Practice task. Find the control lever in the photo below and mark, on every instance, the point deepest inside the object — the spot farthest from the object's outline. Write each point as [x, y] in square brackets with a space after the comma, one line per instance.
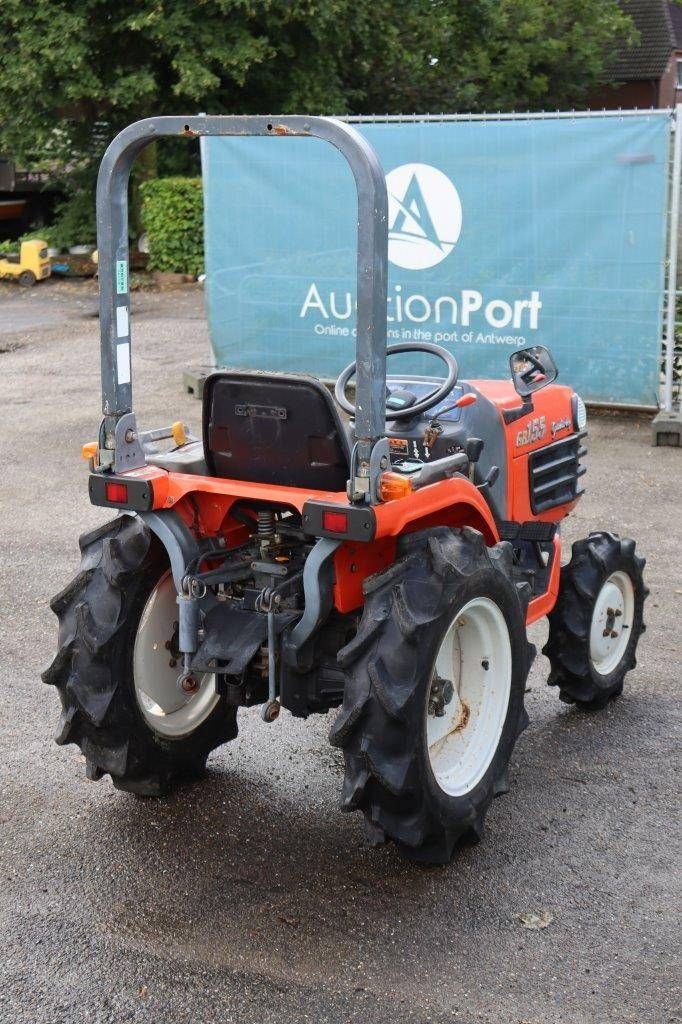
[490, 478]
[146, 438]
[178, 431]
[474, 447]
[441, 469]
[435, 427]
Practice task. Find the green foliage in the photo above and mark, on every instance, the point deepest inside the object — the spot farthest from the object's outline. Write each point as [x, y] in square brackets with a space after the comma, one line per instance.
[7, 246]
[73, 74]
[45, 234]
[478, 55]
[74, 222]
[172, 216]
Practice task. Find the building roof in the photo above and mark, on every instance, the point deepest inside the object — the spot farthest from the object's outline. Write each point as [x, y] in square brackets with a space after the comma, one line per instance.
[648, 58]
[676, 19]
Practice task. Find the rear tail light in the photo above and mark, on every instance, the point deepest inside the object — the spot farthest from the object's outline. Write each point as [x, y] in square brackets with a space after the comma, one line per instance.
[116, 493]
[334, 522]
[119, 492]
[339, 522]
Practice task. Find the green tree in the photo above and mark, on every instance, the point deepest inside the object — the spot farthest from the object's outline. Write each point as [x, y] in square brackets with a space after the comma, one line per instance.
[74, 73]
[494, 55]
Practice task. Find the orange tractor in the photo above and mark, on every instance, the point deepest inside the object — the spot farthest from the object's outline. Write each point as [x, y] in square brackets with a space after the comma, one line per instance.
[383, 555]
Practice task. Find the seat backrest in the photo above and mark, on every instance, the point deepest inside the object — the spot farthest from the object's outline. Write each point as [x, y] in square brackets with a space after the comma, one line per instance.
[274, 429]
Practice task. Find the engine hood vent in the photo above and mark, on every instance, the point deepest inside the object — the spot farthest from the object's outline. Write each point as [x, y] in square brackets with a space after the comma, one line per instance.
[555, 471]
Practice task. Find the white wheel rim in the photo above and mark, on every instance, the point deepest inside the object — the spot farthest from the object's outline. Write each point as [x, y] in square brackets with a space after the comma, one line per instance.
[612, 619]
[165, 707]
[475, 658]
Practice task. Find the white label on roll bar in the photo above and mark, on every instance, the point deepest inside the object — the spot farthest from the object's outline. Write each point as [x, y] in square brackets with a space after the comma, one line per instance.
[123, 362]
[122, 322]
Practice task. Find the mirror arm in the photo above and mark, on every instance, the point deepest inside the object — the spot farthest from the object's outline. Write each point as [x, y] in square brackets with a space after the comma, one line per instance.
[510, 415]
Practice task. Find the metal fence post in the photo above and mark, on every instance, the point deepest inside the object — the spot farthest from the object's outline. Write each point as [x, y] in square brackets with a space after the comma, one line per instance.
[673, 244]
[667, 425]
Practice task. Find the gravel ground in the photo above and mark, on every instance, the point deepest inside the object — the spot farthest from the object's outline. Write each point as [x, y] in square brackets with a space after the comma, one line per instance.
[248, 897]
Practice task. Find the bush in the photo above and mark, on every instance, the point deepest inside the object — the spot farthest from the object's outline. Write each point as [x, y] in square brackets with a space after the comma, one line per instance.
[46, 235]
[74, 223]
[173, 217]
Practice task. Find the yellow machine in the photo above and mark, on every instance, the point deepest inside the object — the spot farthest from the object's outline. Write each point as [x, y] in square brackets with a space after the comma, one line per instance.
[31, 264]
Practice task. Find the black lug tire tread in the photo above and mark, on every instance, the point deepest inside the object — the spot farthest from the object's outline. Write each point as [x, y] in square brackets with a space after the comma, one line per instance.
[98, 615]
[388, 668]
[593, 560]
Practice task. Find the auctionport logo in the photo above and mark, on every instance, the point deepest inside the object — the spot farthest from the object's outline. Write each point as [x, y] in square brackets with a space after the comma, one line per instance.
[424, 225]
[424, 216]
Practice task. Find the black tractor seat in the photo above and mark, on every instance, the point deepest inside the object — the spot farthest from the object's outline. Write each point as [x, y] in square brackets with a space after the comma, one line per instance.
[282, 429]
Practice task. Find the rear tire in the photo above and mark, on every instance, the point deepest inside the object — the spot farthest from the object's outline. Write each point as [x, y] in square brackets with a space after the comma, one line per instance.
[408, 790]
[99, 614]
[596, 622]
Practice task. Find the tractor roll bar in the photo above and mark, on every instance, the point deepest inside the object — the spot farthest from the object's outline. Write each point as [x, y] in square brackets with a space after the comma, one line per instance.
[119, 448]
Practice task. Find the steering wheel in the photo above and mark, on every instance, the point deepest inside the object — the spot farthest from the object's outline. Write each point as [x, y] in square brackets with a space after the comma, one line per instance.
[433, 398]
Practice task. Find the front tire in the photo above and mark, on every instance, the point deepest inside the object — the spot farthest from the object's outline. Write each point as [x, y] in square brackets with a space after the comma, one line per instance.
[433, 700]
[124, 575]
[596, 623]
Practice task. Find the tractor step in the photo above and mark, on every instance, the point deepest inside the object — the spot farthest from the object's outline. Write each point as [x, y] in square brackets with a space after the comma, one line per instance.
[530, 530]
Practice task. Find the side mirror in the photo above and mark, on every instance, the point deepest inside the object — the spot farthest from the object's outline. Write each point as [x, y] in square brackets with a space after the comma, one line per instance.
[532, 369]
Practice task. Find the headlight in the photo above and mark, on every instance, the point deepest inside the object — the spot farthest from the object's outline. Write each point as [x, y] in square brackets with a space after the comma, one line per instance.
[579, 413]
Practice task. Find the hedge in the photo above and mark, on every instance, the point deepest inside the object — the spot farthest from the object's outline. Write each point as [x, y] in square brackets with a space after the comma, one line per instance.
[173, 217]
